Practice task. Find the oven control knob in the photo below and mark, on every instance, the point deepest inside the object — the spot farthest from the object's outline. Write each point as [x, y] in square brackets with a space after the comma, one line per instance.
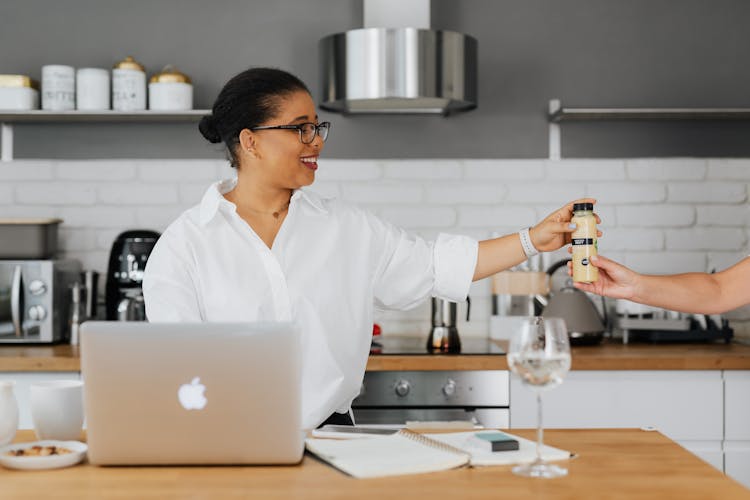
[37, 313]
[402, 388]
[449, 389]
[37, 287]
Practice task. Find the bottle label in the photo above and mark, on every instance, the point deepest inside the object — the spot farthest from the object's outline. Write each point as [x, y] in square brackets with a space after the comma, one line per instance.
[583, 241]
[584, 244]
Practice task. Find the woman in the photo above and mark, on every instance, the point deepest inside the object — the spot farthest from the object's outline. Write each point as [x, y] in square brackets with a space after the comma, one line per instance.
[700, 293]
[262, 248]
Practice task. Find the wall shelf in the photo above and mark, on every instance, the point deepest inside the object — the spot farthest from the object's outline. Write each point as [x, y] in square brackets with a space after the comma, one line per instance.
[558, 113]
[9, 118]
[38, 116]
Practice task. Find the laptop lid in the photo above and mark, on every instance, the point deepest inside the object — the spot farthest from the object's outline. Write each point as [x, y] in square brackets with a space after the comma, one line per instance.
[192, 393]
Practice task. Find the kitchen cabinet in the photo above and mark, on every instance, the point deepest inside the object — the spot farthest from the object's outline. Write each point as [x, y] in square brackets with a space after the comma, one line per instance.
[737, 425]
[8, 118]
[689, 406]
[23, 381]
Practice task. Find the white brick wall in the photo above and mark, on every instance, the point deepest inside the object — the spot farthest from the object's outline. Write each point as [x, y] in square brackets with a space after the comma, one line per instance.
[659, 215]
[707, 192]
[671, 169]
[655, 215]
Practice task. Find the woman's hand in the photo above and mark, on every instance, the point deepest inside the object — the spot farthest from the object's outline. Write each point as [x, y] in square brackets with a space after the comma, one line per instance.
[554, 231]
[615, 280]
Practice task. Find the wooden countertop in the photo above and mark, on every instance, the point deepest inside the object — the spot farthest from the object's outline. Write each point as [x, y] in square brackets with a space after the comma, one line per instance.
[607, 356]
[613, 464]
[53, 358]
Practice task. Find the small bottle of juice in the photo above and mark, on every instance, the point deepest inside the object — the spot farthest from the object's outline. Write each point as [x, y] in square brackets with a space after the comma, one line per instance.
[584, 242]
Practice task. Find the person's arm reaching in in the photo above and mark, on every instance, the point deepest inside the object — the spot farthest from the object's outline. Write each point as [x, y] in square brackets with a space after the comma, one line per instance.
[690, 292]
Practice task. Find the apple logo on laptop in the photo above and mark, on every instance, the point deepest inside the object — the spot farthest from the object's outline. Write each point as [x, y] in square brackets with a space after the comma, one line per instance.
[191, 395]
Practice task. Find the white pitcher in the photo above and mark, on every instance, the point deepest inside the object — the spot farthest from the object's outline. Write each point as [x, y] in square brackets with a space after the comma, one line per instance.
[8, 412]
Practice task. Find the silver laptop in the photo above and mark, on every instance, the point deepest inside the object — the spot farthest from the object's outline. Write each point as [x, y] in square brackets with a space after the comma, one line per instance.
[192, 393]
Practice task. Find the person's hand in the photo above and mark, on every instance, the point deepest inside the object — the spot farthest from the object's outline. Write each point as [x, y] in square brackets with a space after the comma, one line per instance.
[615, 280]
[554, 231]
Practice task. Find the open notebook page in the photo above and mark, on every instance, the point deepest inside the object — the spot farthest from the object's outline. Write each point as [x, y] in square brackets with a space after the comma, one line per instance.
[394, 455]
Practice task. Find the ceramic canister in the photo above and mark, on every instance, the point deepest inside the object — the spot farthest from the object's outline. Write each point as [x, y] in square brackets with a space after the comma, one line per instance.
[18, 92]
[92, 89]
[8, 412]
[170, 90]
[58, 87]
[128, 86]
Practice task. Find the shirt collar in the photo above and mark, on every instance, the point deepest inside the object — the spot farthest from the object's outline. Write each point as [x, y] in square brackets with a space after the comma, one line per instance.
[312, 198]
[214, 198]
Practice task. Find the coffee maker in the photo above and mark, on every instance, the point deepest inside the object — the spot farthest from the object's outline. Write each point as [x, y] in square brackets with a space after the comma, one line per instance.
[127, 261]
[444, 333]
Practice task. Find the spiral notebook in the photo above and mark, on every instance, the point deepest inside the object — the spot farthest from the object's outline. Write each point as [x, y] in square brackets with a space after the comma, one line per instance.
[407, 452]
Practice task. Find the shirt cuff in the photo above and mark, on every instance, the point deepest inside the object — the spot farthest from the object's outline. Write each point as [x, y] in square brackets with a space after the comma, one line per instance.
[455, 260]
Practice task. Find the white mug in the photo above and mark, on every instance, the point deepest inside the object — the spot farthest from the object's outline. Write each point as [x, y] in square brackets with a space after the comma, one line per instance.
[8, 412]
[57, 409]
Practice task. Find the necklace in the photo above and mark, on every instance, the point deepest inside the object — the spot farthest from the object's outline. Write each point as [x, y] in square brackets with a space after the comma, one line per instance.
[275, 213]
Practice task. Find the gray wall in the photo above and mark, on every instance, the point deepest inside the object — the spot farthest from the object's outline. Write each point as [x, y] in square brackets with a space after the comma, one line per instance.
[585, 52]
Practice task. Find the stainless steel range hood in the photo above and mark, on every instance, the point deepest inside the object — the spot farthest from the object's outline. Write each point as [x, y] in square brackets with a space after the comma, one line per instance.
[398, 69]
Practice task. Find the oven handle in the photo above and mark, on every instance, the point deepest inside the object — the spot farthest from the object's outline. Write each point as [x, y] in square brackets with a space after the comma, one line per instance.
[16, 301]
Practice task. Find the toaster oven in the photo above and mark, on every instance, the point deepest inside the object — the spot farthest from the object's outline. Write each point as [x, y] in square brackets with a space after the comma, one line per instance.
[35, 300]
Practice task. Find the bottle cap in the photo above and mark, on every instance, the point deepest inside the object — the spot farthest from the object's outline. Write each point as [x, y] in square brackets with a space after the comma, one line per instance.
[582, 206]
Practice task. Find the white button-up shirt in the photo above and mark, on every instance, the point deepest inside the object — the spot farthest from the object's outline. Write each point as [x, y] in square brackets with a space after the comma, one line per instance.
[330, 266]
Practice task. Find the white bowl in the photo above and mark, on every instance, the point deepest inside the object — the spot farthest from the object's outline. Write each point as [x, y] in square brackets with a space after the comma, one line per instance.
[77, 448]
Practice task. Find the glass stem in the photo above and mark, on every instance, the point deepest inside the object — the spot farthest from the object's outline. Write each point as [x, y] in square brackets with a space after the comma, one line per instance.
[539, 431]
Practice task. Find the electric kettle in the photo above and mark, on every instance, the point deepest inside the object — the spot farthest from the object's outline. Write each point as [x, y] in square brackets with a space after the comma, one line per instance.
[585, 325]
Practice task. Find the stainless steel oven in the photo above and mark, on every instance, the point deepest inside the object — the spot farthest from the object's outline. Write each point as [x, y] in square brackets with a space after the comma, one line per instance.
[35, 299]
[395, 397]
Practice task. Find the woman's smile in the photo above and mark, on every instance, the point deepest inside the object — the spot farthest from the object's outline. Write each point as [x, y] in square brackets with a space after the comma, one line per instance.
[310, 162]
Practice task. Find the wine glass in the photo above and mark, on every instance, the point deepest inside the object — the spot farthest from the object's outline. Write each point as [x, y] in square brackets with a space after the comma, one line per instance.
[539, 353]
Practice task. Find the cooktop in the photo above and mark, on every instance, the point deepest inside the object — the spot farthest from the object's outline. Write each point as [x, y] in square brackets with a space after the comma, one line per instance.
[418, 346]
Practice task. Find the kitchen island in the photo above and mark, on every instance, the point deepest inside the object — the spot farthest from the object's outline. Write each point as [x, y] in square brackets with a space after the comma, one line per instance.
[694, 393]
[614, 464]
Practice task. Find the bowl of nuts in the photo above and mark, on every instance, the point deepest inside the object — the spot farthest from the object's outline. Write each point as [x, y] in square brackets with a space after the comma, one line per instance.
[42, 454]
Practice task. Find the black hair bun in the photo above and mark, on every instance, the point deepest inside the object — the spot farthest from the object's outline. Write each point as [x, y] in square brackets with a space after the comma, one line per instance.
[207, 126]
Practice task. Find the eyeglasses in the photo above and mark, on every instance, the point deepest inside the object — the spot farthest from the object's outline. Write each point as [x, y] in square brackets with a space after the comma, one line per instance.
[307, 131]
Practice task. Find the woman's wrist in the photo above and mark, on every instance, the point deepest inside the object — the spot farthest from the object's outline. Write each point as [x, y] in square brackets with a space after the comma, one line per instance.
[528, 246]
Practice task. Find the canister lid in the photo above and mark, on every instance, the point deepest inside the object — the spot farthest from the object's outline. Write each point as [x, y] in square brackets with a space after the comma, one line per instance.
[18, 81]
[582, 206]
[169, 74]
[129, 63]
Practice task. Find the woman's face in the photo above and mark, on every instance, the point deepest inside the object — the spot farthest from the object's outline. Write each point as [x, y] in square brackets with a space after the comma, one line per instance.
[287, 162]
